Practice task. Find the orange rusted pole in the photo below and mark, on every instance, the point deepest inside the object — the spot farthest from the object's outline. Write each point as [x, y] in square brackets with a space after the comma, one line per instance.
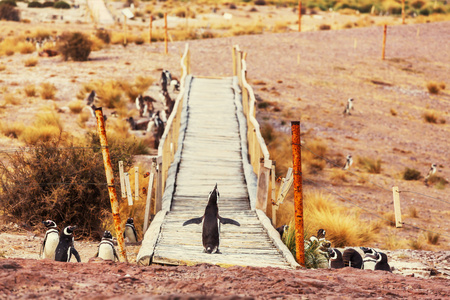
[150, 30]
[298, 192]
[403, 11]
[111, 186]
[299, 15]
[384, 42]
[166, 50]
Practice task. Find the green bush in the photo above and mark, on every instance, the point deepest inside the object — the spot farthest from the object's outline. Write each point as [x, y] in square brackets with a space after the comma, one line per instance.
[48, 4]
[8, 2]
[75, 45]
[62, 5]
[411, 174]
[9, 12]
[104, 35]
[64, 184]
[35, 4]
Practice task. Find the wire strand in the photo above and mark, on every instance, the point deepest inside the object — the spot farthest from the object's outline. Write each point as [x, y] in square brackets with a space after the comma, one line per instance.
[425, 195]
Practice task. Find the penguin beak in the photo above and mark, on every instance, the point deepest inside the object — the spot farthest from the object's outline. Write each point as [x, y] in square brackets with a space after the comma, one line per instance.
[73, 227]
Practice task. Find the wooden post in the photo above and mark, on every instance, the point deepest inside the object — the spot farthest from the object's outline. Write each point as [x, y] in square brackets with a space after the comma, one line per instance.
[233, 55]
[159, 183]
[273, 196]
[262, 189]
[136, 184]
[403, 11]
[397, 210]
[299, 15]
[166, 48]
[124, 30]
[111, 186]
[149, 197]
[150, 30]
[127, 185]
[384, 42]
[122, 180]
[298, 192]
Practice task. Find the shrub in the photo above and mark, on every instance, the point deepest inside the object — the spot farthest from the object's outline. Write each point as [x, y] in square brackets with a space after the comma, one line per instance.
[76, 106]
[418, 4]
[370, 165]
[48, 4]
[2, 67]
[9, 13]
[75, 45]
[412, 211]
[433, 88]
[433, 237]
[12, 130]
[139, 41]
[260, 2]
[324, 27]
[442, 85]
[26, 48]
[411, 174]
[62, 5]
[35, 4]
[8, 2]
[31, 62]
[431, 116]
[30, 90]
[48, 90]
[11, 99]
[67, 185]
[104, 35]
[46, 127]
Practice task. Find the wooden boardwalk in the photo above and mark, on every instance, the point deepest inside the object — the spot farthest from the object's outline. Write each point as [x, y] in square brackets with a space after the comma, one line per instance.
[211, 153]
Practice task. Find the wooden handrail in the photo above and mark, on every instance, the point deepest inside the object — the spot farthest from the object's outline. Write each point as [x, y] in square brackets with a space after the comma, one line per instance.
[257, 148]
[169, 141]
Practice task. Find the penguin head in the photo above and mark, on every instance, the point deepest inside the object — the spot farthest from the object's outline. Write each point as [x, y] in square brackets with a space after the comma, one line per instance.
[334, 254]
[49, 224]
[321, 234]
[350, 99]
[130, 221]
[369, 251]
[213, 195]
[69, 230]
[107, 235]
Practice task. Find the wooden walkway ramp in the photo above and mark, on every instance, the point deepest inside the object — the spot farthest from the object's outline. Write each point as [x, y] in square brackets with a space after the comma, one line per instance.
[211, 153]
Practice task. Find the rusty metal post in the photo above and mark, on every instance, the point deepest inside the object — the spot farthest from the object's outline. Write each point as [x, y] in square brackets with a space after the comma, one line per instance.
[111, 186]
[298, 192]
[166, 37]
[383, 49]
[299, 15]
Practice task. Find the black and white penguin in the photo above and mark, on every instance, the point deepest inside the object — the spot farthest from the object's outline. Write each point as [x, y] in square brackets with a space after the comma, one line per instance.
[382, 262]
[352, 258]
[320, 236]
[335, 261]
[91, 98]
[65, 247]
[348, 162]
[156, 122]
[166, 79]
[431, 172]
[349, 106]
[51, 240]
[130, 231]
[211, 223]
[106, 248]
[282, 229]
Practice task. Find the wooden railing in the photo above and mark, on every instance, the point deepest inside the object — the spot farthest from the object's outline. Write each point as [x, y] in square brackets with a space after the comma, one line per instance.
[169, 141]
[258, 153]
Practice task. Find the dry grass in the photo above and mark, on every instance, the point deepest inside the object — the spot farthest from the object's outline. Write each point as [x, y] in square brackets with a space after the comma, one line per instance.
[432, 237]
[370, 165]
[338, 176]
[83, 117]
[412, 212]
[76, 106]
[433, 87]
[393, 112]
[393, 242]
[431, 116]
[46, 127]
[12, 99]
[31, 62]
[26, 47]
[2, 67]
[281, 26]
[30, 90]
[312, 153]
[110, 93]
[417, 243]
[12, 130]
[48, 90]
[389, 218]
[236, 30]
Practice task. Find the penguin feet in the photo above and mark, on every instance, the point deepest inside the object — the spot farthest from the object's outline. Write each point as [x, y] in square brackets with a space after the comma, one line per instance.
[217, 251]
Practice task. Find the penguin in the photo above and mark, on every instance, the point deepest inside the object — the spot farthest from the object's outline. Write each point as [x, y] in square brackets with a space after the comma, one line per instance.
[211, 223]
[335, 261]
[90, 99]
[382, 262]
[106, 248]
[320, 236]
[348, 162]
[352, 258]
[282, 229]
[130, 231]
[65, 247]
[166, 79]
[156, 122]
[431, 172]
[51, 240]
[349, 106]
[369, 261]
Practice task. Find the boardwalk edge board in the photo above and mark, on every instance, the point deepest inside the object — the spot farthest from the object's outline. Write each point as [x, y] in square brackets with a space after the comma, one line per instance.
[275, 237]
[144, 257]
[250, 176]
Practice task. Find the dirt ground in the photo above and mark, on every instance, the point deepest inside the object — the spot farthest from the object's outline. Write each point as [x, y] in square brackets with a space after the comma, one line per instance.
[306, 77]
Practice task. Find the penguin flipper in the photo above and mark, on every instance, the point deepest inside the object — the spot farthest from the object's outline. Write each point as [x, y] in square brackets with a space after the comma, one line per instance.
[42, 247]
[115, 255]
[228, 221]
[75, 253]
[193, 221]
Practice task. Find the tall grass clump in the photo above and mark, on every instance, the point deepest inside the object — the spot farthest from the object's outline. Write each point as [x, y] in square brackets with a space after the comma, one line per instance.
[12, 99]
[31, 62]
[30, 90]
[110, 93]
[370, 165]
[76, 106]
[9, 12]
[47, 126]
[12, 130]
[48, 90]
[411, 174]
[432, 237]
[64, 184]
[433, 88]
[431, 116]
[75, 45]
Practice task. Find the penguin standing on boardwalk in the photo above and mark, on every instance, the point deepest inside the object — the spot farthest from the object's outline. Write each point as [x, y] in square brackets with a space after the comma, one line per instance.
[349, 106]
[130, 231]
[382, 262]
[65, 247]
[348, 162]
[106, 248]
[336, 261]
[211, 223]
[51, 240]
